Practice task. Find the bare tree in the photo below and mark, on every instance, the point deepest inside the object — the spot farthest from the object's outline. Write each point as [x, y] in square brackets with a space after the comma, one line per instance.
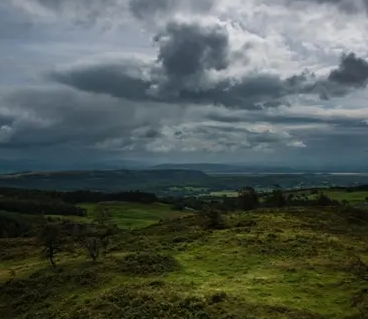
[50, 240]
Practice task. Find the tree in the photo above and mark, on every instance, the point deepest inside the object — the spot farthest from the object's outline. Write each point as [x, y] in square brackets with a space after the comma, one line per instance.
[248, 198]
[102, 216]
[105, 228]
[213, 217]
[277, 197]
[93, 247]
[50, 239]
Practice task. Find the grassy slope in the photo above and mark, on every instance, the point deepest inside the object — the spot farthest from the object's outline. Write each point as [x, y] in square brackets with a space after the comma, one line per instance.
[267, 264]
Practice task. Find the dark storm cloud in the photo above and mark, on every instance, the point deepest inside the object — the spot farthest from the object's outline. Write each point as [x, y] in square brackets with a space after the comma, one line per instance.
[352, 71]
[351, 74]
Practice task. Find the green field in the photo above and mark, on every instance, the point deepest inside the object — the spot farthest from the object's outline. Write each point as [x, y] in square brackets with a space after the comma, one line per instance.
[129, 215]
[227, 193]
[296, 263]
[340, 195]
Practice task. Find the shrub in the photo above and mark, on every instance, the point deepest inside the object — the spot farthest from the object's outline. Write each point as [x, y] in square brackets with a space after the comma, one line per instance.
[213, 218]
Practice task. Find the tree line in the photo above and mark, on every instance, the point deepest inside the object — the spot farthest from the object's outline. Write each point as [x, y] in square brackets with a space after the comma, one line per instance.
[80, 196]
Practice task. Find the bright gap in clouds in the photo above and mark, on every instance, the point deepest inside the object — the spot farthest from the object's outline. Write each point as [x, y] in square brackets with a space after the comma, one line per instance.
[196, 80]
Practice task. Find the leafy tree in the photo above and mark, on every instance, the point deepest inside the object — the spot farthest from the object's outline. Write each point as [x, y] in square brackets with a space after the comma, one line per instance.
[323, 200]
[213, 217]
[102, 216]
[105, 228]
[277, 198]
[248, 198]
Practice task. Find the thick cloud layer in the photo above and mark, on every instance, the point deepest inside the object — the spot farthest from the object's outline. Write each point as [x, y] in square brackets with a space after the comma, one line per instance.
[194, 64]
[234, 78]
[182, 76]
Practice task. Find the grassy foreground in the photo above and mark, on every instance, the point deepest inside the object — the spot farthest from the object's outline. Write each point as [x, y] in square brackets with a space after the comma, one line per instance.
[281, 263]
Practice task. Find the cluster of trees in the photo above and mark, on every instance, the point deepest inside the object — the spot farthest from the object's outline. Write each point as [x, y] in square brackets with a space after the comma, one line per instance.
[248, 198]
[16, 225]
[26, 201]
[76, 197]
[39, 206]
[93, 238]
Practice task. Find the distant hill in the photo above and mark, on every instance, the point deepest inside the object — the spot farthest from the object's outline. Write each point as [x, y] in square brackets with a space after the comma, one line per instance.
[102, 180]
[179, 181]
[233, 168]
[204, 167]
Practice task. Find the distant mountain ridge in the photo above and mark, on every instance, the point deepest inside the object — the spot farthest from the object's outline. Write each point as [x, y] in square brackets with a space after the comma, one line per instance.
[259, 168]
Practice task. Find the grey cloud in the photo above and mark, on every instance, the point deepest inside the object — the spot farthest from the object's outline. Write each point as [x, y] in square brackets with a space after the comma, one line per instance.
[67, 117]
[148, 9]
[186, 53]
[219, 138]
[189, 49]
[147, 132]
[351, 74]
[81, 13]
[122, 80]
[88, 13]
[347, 6]
[252, 92]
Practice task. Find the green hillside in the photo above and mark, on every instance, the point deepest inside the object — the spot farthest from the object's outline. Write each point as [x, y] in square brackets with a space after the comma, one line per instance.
[268, 263]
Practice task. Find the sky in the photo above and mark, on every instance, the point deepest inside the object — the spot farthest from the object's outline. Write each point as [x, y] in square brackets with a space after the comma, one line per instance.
[247, 81]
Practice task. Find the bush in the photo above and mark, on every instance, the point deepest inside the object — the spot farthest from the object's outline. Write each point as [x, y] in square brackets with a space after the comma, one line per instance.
[213, 218]
[354, 214]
